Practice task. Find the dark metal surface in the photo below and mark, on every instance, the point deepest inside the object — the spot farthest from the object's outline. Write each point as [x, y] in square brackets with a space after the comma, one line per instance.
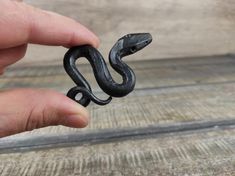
[127, 45]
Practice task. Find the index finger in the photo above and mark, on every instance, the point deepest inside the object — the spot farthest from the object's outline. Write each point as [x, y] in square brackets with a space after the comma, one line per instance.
[21, 23]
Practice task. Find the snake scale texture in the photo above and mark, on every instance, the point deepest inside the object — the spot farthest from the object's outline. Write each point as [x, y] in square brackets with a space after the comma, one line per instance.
[127, 45]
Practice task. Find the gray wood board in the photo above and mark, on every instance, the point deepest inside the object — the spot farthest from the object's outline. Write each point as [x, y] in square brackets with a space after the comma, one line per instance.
[202, 153]
[150, 73]
[30, 143]
[175, 91]
[179, 28]
[179, 121]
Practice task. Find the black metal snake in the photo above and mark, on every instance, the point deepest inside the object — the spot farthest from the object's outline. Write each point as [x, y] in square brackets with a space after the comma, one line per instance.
[127, 45]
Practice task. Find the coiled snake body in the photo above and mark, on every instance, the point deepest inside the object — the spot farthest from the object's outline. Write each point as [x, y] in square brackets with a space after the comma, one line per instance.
[129, 44]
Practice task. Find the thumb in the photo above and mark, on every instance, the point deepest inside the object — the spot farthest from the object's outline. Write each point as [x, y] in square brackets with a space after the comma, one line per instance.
[27, 109]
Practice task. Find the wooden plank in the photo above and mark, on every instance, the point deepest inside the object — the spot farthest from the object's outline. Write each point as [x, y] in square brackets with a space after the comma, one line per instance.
[31, 143]
[179, 28]
[150, 74]
[176, 127]
[202, 153]
[157, 106]
[183, 90]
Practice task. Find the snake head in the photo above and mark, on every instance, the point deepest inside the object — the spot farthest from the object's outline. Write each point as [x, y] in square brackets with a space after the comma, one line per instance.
[131, 43]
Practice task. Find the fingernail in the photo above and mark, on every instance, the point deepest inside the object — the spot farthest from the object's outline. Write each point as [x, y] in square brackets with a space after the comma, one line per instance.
[97, 43]
[94, 39]
[77, 121]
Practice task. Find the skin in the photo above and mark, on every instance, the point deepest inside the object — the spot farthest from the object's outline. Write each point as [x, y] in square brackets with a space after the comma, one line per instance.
[27, 109]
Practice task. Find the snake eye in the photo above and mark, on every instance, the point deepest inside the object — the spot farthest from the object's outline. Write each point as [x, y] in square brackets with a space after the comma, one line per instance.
[133, 49]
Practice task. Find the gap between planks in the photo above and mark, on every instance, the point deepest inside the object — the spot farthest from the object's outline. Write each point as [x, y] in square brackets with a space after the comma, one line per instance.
[109, 135]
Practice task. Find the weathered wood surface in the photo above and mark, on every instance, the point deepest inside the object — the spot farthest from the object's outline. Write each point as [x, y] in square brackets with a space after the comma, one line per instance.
[201, 153]
[179, 27]
[179, 121]
[167, 91]
[150, 73]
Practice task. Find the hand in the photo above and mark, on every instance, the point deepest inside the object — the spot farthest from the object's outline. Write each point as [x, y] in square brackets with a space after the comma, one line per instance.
[28, 109]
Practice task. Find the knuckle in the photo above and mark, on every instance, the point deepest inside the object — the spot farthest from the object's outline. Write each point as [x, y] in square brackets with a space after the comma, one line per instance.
[39, 118]
[32, 121]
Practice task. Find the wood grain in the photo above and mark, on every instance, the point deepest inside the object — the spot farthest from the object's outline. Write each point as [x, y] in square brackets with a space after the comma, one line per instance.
[204, 153]
[41, 142]
[149, 73]
[179, 121]
[179, 27]
[168, 91]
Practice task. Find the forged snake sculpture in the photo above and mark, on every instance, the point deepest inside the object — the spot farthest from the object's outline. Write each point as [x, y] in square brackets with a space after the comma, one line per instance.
[127, 45]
